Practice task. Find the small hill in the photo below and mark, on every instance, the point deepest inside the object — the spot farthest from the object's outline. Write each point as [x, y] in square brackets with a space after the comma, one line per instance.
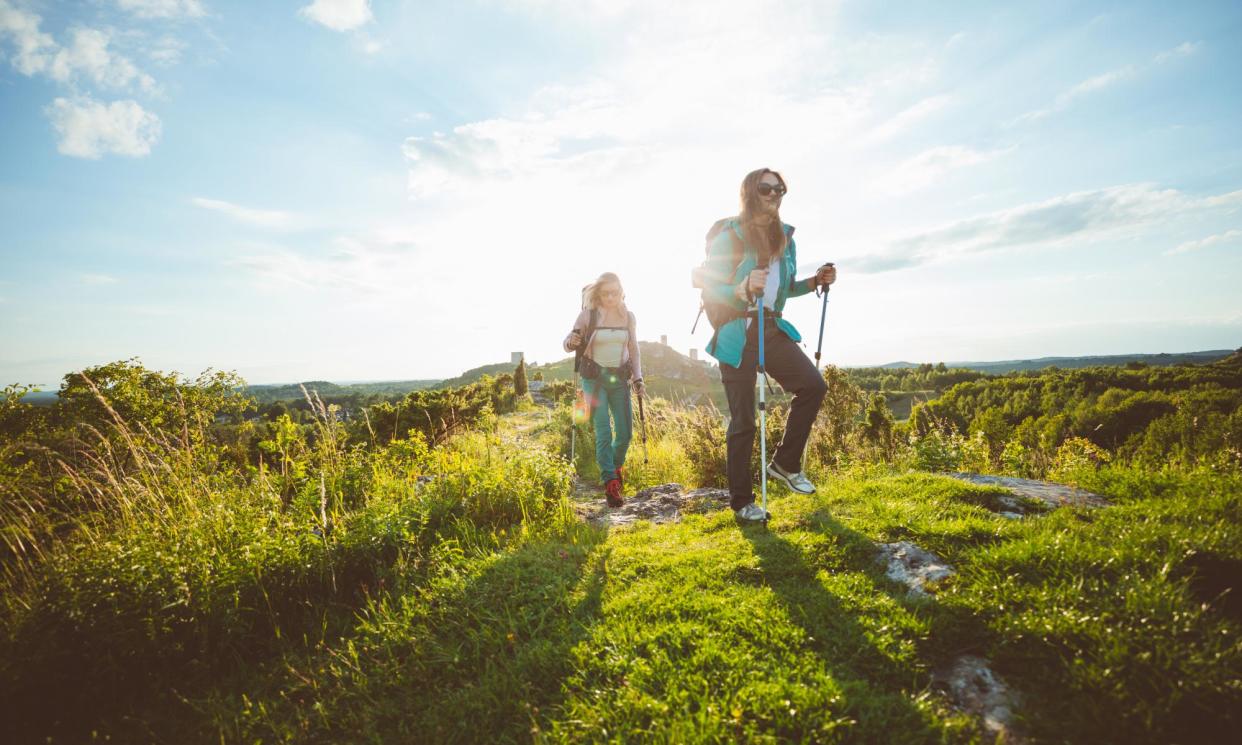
[1233, 360]
[475, 373]
[668, 373]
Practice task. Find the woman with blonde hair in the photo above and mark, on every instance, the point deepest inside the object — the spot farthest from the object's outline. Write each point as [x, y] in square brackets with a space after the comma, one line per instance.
[606, 343]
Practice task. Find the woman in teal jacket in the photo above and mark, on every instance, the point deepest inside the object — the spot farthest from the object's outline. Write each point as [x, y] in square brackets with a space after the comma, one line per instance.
[766, 276]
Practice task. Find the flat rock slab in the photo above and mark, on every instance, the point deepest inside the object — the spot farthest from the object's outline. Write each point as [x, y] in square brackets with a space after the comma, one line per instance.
[1050, 494]
[912, 566]
[971, 685]
[665, 503]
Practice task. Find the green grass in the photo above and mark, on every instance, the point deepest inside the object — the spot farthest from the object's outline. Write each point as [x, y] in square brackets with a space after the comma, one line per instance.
[705, 631]
[474, 609]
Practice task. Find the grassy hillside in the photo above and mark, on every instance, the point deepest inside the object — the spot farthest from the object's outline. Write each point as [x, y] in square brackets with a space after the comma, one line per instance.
[668, 374]
[475, 374]
[359, 581]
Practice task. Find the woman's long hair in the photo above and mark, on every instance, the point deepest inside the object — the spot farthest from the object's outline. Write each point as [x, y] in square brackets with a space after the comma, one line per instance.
[768, 240]
[590, 293]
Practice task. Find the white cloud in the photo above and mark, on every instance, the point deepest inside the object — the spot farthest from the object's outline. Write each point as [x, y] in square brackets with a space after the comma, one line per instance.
[1184, 49]
[372, 265]
[339, 15]
[1084, 88]
[1232, 200]
[1080, 216]
[97, 279]
[925, 168]
[669, 93]
[88, 56]
[1229, 237]
[86, 128]
[167, 51]
[163, 8]
[34, 48]
[907, 118]
[1105, 80]
[275, 219]
[90, 129]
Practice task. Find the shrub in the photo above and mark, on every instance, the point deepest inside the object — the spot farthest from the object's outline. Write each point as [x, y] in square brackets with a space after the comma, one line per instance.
[1074, 456]
[935, 451]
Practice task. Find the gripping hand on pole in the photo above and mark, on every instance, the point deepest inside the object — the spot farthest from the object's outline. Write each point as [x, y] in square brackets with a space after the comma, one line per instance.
[824, 277]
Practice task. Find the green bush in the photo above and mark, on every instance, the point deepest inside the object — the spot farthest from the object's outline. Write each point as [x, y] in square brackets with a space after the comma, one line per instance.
[1074, 457]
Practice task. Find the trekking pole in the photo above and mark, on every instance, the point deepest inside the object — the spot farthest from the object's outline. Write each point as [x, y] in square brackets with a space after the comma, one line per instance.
[763, 413]
[573, 426]
[822, 313]
[642, 419]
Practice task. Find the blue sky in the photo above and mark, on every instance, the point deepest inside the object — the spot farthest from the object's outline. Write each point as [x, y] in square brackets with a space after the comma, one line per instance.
[353, 190]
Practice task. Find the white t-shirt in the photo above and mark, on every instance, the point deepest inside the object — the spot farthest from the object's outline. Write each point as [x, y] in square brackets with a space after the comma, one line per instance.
[609, 346]
[771, 288]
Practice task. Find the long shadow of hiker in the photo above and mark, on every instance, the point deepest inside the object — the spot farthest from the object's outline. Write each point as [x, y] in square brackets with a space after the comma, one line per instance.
[476, 654]
[500, 660]
[877, 683]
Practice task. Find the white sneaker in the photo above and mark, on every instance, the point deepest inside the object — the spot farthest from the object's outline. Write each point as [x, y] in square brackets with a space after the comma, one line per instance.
[751, 512]
[796, 481]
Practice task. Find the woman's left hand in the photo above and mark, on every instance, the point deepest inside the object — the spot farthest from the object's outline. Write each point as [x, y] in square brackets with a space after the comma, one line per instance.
[640, 388]
[826, 275]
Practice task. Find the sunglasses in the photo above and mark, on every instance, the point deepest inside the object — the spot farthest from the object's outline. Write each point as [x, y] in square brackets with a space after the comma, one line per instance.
[767, 189]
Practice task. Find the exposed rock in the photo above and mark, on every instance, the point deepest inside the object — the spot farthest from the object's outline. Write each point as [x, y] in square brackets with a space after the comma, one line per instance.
[659, 504]
[1026, 491]
[972, 686]
[912, 566]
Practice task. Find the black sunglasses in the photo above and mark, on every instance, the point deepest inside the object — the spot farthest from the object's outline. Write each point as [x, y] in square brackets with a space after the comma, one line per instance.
[766, 189]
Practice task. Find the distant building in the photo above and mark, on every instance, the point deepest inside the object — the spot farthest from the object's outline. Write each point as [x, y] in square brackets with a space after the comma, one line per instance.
[694, 354]
[516, 357]
[664, 339]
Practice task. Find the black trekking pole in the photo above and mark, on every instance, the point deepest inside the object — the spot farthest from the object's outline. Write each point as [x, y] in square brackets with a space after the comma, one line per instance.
[822, 313]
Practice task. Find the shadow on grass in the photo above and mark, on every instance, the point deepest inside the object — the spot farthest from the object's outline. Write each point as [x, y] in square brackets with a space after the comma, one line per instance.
[121, 665]
[479, 657]
[880, 689]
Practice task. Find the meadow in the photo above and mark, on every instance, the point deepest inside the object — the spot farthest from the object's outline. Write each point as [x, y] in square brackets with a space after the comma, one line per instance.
[174, 570]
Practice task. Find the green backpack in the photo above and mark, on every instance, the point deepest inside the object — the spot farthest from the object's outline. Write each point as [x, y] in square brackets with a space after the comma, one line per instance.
[718, 314]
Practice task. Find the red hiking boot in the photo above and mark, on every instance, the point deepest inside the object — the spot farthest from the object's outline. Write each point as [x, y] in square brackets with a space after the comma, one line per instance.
[613, 491]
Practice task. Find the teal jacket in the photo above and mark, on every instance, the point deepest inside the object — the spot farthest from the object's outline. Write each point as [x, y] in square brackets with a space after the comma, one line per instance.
[730, 338]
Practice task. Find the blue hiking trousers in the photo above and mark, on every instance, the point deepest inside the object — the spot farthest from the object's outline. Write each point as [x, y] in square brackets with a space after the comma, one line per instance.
[607, 395]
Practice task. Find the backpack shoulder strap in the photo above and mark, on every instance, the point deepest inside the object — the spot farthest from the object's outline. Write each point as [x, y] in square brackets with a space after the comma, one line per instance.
[586, 338]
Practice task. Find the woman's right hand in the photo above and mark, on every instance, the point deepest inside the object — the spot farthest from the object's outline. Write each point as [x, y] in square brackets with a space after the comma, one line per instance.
[575, 340]
[755, 282]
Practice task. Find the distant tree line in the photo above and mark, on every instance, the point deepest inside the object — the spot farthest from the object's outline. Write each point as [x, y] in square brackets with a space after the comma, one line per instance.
[924, 377]
[1186, 415]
